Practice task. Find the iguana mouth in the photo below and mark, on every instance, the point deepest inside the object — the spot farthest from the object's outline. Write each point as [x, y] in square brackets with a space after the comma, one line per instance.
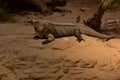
[40, 31]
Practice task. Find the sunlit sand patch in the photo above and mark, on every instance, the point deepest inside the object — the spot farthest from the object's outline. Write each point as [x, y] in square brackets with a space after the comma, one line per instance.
[113, 43]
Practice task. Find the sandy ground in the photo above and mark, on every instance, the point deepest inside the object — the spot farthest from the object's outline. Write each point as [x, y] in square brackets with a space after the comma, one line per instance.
[23, 58]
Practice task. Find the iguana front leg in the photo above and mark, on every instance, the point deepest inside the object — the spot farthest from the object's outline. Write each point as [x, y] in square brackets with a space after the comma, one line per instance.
[36, 37]
[78, 36]
[50, 38]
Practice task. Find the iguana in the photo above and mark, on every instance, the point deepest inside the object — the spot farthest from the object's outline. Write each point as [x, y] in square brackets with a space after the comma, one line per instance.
[52, 30]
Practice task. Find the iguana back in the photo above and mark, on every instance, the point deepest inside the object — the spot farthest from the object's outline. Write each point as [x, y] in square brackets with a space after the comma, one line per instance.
[85, 30]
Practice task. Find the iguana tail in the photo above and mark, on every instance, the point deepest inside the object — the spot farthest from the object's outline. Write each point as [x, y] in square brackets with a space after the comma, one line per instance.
[89, 31]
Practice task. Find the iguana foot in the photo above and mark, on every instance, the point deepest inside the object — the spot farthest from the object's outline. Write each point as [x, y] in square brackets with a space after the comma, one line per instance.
[80, 40]
[44, 43]
[36, 37]
[103, 40]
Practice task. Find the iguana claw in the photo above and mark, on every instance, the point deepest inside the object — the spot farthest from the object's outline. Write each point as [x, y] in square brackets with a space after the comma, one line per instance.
[36, 37]
[44, 42]
[80, 40]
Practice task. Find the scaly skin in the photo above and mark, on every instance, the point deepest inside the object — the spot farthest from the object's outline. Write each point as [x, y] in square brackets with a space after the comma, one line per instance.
[52, 30]
[87, 30]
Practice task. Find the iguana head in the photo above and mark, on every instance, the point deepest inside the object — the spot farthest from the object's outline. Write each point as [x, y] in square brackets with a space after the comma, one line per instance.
[37, 22]
[33, 22]
[39, 31]
[38, 27]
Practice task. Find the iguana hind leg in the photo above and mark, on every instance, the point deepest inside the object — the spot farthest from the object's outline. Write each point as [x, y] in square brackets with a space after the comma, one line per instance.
[78, 36]
[50, 38]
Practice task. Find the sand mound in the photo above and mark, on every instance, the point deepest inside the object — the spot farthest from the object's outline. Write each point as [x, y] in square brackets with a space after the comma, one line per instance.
[23, 58]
